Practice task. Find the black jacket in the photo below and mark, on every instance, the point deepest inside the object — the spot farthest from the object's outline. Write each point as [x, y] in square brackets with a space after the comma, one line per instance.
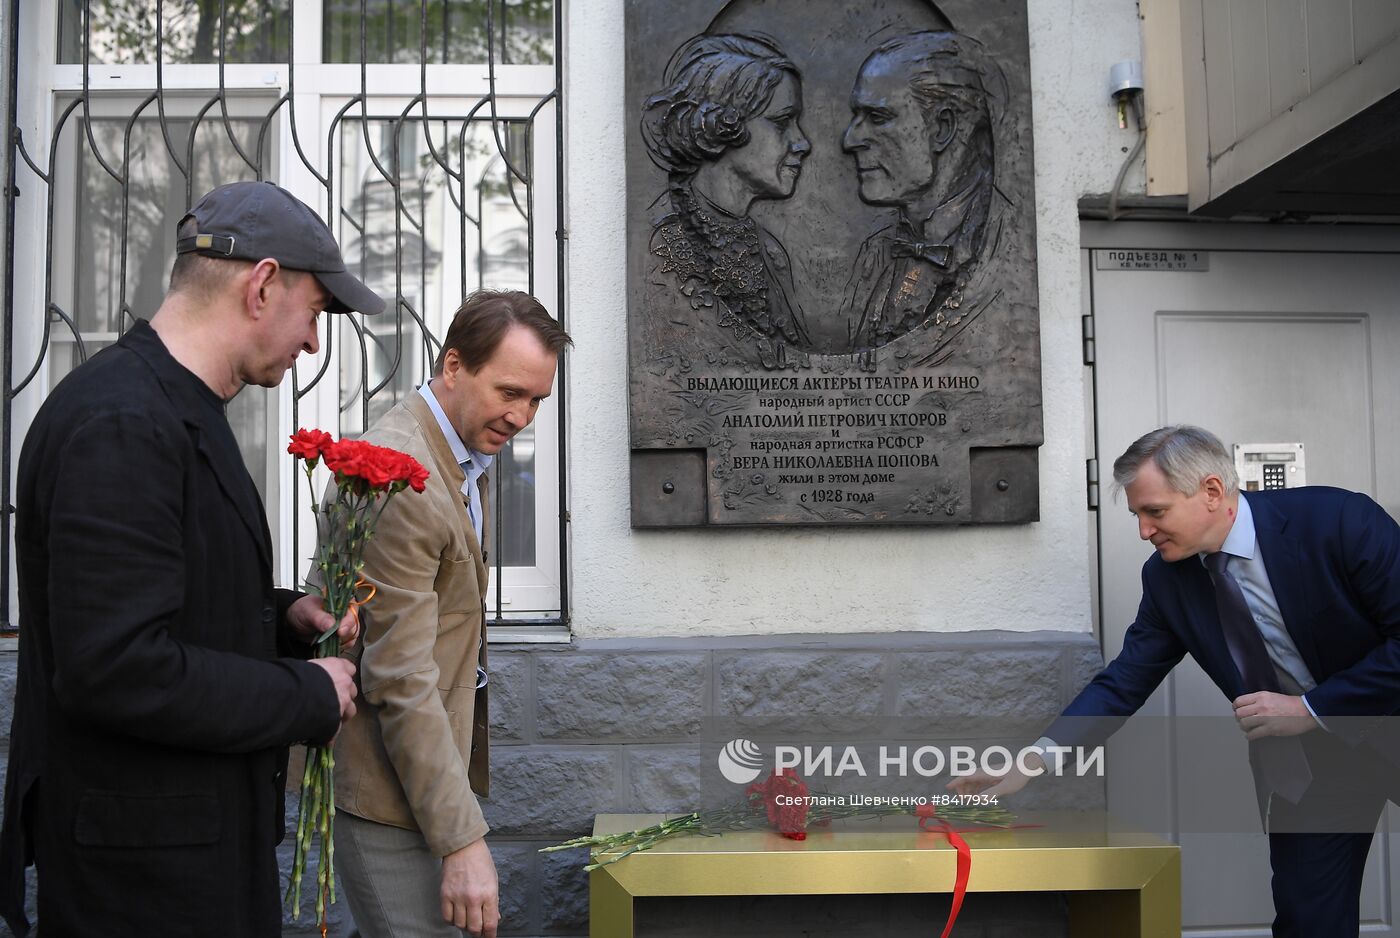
[155, 700]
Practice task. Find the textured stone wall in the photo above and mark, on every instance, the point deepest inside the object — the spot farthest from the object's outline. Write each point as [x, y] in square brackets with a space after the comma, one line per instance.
[623, 725]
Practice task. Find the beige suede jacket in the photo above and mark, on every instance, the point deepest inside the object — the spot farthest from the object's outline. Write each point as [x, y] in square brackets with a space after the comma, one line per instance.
[417, 746]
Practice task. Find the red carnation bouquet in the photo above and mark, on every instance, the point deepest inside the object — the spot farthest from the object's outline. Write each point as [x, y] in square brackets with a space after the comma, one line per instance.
[366, 477]
[784, 803]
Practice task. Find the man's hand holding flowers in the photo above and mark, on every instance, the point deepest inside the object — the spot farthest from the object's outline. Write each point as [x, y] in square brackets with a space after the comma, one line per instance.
[309, 621]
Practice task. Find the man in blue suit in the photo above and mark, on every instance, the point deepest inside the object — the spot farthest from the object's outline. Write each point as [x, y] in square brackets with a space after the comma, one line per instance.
[1290, 602]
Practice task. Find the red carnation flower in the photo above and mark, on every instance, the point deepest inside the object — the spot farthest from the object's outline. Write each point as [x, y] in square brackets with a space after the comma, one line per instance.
[784, 797]
[376, 468]
[344, 458]
[309, 444]
[414, 474]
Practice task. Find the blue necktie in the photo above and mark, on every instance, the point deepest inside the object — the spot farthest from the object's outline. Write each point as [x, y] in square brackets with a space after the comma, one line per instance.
[1281, 759]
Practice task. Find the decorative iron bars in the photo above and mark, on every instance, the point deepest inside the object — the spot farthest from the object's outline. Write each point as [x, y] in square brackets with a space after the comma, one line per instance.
[139, 107]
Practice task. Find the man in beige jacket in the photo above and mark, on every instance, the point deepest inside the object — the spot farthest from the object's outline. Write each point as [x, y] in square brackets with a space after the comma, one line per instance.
[410, 836]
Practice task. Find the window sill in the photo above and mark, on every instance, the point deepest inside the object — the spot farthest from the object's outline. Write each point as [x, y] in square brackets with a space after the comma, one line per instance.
[528, 635]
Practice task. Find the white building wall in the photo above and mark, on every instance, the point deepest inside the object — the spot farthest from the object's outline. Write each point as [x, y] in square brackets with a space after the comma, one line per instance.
[726, 582]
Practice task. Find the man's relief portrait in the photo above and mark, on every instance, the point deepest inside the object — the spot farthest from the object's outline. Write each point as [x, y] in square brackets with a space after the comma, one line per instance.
[921, 137]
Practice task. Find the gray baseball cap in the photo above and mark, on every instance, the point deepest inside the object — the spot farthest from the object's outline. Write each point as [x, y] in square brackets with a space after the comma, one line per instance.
[254, 220]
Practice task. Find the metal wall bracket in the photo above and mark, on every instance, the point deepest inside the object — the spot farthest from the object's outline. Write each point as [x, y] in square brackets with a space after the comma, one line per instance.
[668, 488]
[1005, 484]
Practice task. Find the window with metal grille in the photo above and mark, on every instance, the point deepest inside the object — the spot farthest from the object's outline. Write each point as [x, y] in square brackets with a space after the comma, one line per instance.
[427, 133]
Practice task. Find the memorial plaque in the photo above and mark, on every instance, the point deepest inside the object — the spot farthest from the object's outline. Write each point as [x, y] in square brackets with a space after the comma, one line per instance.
[832, 304]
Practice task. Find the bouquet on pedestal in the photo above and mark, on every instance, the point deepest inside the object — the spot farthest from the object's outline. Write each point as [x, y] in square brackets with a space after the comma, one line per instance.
[784, 803]
[366, 477]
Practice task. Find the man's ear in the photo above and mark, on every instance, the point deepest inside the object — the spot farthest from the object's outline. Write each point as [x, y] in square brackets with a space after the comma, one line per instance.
[944, 128]
[257, 289]
[1214, 488]
[451, 368]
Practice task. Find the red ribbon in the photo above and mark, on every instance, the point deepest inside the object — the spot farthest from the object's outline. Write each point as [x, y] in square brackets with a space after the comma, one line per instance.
[930, 822]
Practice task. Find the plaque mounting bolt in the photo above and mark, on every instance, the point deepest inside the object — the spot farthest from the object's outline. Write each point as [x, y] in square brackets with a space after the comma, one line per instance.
[1003, 485]
[668, 487]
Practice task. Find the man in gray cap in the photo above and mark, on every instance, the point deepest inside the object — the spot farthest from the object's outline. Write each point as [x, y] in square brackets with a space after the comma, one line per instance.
[161, 675]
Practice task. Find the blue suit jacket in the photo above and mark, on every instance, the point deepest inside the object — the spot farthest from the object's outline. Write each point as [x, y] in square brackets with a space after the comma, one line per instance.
[1333, 559]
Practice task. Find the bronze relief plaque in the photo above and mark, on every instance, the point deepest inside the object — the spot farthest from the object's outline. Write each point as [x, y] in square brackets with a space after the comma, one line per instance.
[832, 306]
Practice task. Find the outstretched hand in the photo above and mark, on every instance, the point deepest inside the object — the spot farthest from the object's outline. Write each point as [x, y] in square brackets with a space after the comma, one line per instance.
[992, 786]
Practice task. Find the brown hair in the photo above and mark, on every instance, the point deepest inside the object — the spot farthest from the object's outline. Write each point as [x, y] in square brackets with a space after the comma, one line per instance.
[714, 85]
[483, 320]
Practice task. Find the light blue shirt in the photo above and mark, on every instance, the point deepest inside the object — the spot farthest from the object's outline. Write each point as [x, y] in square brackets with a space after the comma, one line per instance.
[472, 462]
[1246, 565]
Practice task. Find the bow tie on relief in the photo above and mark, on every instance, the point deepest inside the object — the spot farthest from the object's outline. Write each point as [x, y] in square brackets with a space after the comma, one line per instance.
[935, 254]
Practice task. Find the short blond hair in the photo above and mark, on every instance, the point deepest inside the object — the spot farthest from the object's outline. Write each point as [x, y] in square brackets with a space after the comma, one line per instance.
[1186, 455]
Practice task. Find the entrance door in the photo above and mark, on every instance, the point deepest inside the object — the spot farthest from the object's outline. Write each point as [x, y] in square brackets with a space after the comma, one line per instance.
[1287, 335]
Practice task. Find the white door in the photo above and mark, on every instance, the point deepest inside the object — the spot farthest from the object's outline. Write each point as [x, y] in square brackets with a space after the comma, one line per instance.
[1288, 335]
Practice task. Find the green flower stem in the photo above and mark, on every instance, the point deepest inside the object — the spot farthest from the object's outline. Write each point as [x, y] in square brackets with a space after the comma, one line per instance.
[345, 524]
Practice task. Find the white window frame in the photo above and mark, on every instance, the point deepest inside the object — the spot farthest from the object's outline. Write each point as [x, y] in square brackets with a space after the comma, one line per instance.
[320, 91]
